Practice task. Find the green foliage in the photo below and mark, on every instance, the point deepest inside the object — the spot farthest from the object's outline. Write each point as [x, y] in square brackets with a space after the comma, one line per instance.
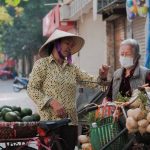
[12, 2]
[8, 10]
[91, 117]
[121, 98]
[143, 98]
[5, 17]
[25, 36]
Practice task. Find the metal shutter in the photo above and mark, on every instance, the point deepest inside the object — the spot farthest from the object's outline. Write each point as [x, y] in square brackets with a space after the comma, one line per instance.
[138, 27]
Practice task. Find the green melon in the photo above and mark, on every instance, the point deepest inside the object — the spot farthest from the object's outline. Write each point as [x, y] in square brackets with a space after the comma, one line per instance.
[26, 112]
[5, 106]
[18, 113]
[27, 119]
[36, 117]
[19, 119]
[16, 108]
[4, 111]
[1, 119]
[10, 116]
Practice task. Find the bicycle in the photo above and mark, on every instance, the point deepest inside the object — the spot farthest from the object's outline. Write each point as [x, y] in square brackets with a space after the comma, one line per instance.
[46, 137]
[134, 141]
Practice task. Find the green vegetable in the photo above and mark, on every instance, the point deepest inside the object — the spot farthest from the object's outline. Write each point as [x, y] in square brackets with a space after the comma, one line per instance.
[121, 98]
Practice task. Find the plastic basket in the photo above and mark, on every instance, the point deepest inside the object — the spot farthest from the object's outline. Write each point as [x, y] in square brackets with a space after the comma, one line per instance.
[11, 130]
[105, 132]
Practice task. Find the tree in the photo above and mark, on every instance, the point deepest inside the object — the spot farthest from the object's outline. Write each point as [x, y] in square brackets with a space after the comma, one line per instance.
[24, 37]
[5, 6]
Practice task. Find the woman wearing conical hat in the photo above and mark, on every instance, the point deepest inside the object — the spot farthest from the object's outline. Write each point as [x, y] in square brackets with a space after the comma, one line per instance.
[54, 79]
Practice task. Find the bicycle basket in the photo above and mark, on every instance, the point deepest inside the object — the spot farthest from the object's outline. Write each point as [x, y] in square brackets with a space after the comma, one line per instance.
[104, 133]
[9, 130]
[106, 129]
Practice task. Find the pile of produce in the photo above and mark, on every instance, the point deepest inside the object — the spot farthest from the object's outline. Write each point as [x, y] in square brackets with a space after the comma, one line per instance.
[138, 119]
[84, 140]
[17, 114]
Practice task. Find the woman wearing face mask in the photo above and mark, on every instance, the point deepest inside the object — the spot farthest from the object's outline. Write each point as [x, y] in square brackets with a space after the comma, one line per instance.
[131, 75]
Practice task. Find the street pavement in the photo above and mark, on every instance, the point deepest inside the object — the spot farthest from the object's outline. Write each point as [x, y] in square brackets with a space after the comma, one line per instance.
[11, 98]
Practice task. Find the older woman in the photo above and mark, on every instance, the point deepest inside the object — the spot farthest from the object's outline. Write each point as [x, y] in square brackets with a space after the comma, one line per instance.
[53, 81]
[131, 74]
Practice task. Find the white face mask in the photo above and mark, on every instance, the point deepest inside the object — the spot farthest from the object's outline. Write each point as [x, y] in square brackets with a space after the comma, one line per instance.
[126, 62]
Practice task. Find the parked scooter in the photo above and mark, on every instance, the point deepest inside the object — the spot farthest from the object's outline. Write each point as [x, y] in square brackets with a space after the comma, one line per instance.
[20, 83]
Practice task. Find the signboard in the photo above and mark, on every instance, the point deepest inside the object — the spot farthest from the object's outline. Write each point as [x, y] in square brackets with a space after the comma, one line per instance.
[51, 22]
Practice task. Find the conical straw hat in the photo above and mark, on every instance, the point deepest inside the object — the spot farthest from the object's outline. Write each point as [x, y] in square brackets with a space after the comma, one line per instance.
[58, 34]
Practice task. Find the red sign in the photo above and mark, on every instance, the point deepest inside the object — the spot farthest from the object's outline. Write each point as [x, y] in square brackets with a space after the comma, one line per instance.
[52, 21]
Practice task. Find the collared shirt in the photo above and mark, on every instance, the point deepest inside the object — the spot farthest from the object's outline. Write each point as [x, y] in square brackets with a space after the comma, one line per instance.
[49, 80]
[125, 88]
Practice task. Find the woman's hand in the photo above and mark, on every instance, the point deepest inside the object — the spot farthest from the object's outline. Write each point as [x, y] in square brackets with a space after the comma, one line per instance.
[58, 109]
[125, 104]
[104, 102]
[117, 113]
[103, 71]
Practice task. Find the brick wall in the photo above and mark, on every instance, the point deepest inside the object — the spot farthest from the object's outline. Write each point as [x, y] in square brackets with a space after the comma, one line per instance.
[116, 32]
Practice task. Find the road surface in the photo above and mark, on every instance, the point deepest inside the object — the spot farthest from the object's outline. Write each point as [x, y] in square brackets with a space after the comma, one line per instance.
[9, 97]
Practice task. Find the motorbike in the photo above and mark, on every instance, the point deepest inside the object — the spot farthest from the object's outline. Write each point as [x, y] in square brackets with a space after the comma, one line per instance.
[20, 83]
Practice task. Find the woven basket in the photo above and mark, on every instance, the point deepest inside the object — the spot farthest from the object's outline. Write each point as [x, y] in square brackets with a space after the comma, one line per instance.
[11, 130]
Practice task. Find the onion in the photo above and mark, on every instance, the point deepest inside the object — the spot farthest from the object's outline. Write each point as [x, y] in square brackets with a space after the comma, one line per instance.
[132, 130]
[130, 112]
[86, 146]
[147, 89]
[142, 130]
[135, 104]
[83, 138]
[131, 123]
[148, 117]
[143, 123]
[138, 114]
[148, 128]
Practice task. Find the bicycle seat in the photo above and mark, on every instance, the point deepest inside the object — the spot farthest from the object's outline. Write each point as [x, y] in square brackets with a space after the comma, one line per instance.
[51, 125]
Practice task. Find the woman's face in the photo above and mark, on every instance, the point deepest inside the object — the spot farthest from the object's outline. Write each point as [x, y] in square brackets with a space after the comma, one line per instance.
[126, 51]
[66, 46]
[126, 56]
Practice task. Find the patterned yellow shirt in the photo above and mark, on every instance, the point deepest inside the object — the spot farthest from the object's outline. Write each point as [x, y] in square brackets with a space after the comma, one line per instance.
[48, 80]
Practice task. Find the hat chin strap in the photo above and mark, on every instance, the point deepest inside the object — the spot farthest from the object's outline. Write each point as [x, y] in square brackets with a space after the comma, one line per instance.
[69, 59]
[58, 48]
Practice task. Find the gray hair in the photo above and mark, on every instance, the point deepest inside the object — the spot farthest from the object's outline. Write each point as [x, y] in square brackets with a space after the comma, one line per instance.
[134, 44]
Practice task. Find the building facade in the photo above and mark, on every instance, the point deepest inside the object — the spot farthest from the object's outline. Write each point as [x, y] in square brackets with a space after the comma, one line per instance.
[93, 54]
[118, 28]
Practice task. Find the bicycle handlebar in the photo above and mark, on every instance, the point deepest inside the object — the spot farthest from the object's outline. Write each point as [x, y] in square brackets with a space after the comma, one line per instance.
[50, 125]
[91, 108]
